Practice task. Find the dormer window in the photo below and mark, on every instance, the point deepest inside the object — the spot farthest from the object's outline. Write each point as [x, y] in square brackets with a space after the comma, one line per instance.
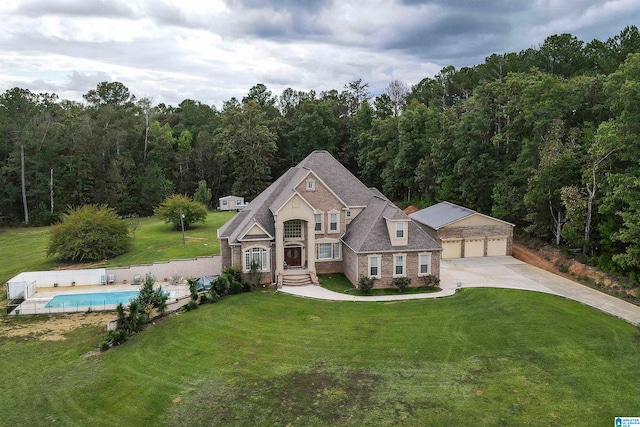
[399, 230]
[311, 185]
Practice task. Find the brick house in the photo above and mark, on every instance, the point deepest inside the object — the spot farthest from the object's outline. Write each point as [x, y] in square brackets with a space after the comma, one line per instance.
[318, 218]
[465, 233]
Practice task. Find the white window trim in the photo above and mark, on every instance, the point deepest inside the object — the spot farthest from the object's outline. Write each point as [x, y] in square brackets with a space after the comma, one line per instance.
[265, 268]
[321, 222]
[334, 244]
[348, 214]
[311, 185]
[421, 254]
[337, 214]
[400, 227]
[379, 257]
[404, 265]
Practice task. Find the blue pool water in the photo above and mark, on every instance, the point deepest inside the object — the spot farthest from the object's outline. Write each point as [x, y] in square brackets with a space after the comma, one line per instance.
[91, 300]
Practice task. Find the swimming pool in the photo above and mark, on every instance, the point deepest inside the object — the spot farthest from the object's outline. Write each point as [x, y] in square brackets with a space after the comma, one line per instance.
[94, 299]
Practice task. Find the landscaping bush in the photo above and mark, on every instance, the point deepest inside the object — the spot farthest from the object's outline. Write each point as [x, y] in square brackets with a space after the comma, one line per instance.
[191, 305]
[192, 288]
[431, 281]
[89, 233]
[401, 283]
[220, 286]
[176, 205]
[150, 298]
[255, 275]
[133, 319]
[365, 284]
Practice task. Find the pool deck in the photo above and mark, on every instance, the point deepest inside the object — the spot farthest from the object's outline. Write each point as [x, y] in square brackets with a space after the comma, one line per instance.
[36, 303]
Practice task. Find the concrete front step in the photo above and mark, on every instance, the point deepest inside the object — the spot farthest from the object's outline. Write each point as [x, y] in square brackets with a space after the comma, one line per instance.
[297, 280]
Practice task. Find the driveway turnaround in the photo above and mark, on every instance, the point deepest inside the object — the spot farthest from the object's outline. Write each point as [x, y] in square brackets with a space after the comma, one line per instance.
[493, 272]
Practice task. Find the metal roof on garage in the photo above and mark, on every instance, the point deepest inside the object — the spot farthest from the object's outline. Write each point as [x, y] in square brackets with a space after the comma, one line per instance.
[439, 215]
[445, 213]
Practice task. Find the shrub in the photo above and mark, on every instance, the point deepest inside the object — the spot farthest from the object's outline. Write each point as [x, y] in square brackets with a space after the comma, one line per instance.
[191, 305]
[150, 298]
[176, 205]
[203, 299]
[255, 275]
[89, 233]
[365, 284]
[192, 288]
[431, 281]
[221, 285]
[401, 283]
[234, 274]
[138, 314]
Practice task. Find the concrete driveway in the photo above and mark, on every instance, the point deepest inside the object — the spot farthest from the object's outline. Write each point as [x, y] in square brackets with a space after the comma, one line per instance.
[495, 272]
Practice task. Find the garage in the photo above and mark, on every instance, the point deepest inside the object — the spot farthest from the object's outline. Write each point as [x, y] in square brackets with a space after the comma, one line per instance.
[473, 247]
[496, 246]
[451, 249]
[463, 232]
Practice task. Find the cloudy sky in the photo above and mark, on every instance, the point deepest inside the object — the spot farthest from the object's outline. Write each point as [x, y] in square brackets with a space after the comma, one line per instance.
[212, 50]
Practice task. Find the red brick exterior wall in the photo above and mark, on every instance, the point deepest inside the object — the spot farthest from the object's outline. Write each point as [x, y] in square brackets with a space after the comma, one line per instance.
[323, 200]
[225, 253]
[478, 232]
[326, 267]
[349, 260]
[387, 268]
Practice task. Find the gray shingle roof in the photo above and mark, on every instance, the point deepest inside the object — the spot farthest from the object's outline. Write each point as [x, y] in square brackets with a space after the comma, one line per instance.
[342, 182]
[439, 215]
[258, 210]
[368, 231]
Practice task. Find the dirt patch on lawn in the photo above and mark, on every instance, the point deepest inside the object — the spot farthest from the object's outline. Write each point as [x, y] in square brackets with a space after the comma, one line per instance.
[551, 258]
[50, 328]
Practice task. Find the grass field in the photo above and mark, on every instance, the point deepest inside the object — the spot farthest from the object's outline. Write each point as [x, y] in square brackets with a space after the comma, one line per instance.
[339, 283]
[25, 249]
[483, 357]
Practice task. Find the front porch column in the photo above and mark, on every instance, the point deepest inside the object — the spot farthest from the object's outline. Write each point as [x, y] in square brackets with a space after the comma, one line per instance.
[279, 247]
[311, 246]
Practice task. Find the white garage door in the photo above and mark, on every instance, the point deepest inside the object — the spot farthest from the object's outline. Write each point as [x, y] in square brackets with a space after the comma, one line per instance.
[451, 249]
[497, 246]
[473, 247]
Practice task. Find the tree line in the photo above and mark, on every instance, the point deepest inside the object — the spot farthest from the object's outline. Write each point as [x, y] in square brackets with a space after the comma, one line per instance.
[546, 138]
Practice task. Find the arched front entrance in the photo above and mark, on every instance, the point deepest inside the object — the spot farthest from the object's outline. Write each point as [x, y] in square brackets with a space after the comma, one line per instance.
[293, 256]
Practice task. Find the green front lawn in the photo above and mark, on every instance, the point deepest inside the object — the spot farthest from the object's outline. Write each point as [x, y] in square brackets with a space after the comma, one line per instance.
[25, 249]
[339, 283]
[484, 357]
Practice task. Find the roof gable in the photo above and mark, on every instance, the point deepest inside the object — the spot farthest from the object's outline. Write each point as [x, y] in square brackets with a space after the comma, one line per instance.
[339, 179]
[368, 232]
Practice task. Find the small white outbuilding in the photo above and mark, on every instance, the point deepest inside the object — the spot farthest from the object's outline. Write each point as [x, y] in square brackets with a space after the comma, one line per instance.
[231, 203]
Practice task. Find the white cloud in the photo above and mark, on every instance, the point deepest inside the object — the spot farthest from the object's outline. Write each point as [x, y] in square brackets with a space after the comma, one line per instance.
[210, 51]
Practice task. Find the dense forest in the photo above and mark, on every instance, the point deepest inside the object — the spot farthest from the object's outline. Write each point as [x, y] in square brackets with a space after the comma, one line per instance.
[547, 138]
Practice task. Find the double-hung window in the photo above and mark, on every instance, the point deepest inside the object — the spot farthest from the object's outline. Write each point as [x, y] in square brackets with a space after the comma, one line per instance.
[399, 265]
[374, 266]
[333, 221]
[399, 230]
[318, 220]
[424, 261]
